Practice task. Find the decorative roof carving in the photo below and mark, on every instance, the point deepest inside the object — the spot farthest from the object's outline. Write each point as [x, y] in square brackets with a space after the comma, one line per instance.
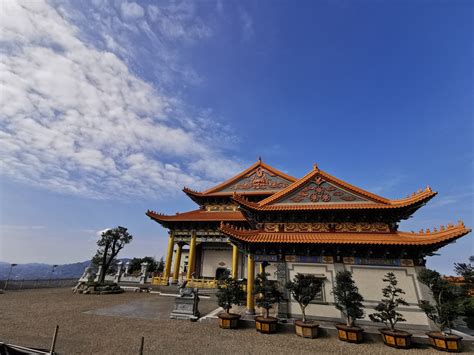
[260, 178]
[363, 238]
[319, 190]
[327, 227]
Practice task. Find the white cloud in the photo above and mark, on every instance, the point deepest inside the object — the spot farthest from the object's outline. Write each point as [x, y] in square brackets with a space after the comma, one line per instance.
[131, 10]
[75, 119]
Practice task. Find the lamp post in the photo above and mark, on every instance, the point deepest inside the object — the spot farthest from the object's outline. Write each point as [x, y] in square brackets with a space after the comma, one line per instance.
[51, 276]
[9, 274]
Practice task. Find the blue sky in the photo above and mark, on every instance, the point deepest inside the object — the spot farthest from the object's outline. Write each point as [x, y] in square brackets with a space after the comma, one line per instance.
[108, 108]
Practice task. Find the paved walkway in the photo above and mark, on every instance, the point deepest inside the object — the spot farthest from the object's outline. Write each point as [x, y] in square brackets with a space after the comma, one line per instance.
[154, 307]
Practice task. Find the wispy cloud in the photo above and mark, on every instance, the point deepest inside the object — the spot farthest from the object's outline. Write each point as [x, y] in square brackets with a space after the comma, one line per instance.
[131, 10]
[386, 185]
[247, 25]
[10, 227]
[76, 119]
[450, 199]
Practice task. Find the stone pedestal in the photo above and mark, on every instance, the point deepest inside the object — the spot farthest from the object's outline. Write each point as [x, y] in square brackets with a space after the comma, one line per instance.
[186, 308]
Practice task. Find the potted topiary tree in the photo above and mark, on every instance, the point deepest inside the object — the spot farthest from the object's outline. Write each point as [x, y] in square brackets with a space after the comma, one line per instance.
[229, 292]
[444, 309]
[304, 289]
[348, 300]
[388, 315]
[466, 272]
[267, 295]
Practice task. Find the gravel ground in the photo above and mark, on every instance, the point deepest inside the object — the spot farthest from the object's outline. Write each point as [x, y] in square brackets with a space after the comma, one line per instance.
[28, 318]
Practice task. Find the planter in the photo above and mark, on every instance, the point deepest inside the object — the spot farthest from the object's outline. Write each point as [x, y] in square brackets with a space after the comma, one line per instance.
[266, 325]
[451, 343]
[396, 339]
[349, 334]
[306, 330]
[228, 320]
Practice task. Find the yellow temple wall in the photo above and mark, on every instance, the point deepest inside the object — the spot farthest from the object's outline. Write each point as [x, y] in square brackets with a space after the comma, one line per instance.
[369, 279]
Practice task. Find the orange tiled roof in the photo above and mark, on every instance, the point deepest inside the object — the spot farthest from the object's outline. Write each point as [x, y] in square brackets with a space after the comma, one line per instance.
[197, 215]
[395, 238]
[215, 191]
[271, 203]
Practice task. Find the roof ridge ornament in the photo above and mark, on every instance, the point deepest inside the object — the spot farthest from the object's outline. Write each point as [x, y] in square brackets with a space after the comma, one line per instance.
[315, 167]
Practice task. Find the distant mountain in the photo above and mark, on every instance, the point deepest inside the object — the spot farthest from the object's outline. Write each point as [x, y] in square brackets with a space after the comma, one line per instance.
[33, 271]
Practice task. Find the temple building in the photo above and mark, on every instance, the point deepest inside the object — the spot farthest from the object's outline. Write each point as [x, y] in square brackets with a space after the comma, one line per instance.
[264, 219]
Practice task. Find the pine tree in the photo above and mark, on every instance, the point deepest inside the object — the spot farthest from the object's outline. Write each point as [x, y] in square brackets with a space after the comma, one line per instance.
[267, 292]
[387, 308]
[466, 271]
[111, 242]
[446, 306]
[304, 289]
[347, 297]
[229, 292]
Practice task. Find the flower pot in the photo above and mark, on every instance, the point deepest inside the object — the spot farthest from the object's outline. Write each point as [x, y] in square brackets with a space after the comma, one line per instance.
[306, 330]
[451, 343]
[266, 325]
[396, 339]
[228, 320]
[349, 334]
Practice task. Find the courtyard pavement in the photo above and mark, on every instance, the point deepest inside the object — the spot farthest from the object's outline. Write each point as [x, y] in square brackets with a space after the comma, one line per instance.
[114, 324]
